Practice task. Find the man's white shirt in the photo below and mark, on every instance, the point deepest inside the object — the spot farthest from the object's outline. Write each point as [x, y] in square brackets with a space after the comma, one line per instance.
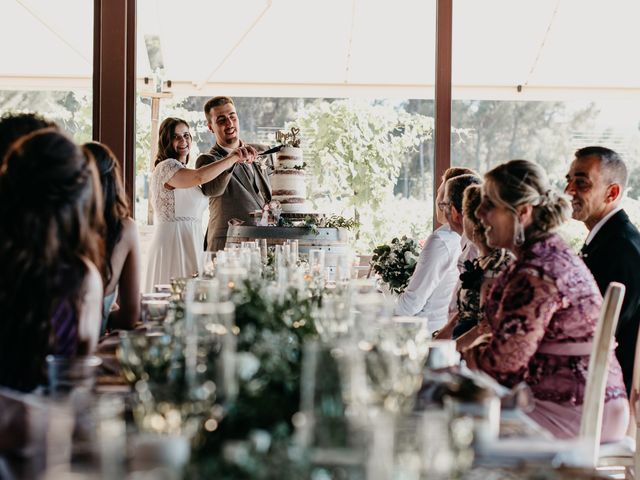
[432, 283]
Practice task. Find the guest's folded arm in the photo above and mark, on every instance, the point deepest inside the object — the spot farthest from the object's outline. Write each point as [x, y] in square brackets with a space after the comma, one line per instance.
[526, 307]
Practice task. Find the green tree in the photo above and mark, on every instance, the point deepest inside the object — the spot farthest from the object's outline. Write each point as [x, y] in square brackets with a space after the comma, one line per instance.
[356, 149]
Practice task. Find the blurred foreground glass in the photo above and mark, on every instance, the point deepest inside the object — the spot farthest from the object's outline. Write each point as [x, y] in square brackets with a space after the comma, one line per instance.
[208, 265]
[145, 355]
[162, 288]
[210, 341]
[442, 354]
[333, 317]
[69, 373]
[160, 456]
[484, 413]
[154, 307]
[326, 426]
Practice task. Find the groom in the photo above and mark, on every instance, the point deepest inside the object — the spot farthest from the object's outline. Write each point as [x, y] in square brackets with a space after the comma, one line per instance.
[596, 182]
[243, 188]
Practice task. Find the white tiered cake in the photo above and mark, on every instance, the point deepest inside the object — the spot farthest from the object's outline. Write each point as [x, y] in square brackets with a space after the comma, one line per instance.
[288, 182]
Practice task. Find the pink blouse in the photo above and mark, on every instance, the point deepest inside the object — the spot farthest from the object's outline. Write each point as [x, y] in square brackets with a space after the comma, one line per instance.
[546, 296]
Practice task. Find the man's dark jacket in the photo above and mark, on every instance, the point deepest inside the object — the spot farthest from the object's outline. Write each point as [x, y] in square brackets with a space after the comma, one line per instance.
[613, 255]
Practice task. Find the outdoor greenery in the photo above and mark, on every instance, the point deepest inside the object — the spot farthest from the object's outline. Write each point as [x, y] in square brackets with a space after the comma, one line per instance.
[372, 160]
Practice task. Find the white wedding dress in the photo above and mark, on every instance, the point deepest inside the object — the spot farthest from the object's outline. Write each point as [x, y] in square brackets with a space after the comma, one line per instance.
[177, 246]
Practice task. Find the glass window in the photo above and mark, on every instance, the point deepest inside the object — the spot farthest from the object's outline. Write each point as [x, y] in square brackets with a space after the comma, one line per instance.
[356, 61]
[46, 63]
[532, 82]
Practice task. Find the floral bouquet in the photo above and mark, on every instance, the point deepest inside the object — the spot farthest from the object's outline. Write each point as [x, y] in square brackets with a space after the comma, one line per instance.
[396, 262]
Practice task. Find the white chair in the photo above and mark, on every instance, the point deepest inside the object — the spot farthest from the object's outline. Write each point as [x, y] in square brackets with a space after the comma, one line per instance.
[603, 341]
[624, 453]
[584, 450]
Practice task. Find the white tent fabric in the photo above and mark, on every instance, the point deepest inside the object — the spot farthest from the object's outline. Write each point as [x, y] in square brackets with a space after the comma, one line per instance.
[340, 47]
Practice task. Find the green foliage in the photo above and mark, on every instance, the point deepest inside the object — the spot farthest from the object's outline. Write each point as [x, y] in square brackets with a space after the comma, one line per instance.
[338, 221]
[356, 148]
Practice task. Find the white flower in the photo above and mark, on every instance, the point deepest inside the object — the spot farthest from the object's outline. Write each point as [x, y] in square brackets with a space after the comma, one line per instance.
[247, 365]
[410, 259]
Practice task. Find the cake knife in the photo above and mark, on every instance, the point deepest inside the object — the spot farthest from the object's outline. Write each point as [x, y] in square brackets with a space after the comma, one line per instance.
[271, 150]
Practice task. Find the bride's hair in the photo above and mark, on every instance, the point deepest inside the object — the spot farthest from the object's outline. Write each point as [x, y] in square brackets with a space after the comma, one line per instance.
[165, 139]
[48, 218]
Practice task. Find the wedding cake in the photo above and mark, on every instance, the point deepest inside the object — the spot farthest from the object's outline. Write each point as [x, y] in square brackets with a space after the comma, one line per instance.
[288, 182]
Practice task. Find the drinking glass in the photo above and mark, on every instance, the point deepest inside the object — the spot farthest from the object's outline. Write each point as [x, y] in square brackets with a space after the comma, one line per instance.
[154, 307]
[145, 355]
[316, 261]
[162, 288]
[442, 354]
[336, 441]
[262, 244]
[210, 341]
[208, 265]
[69, 373]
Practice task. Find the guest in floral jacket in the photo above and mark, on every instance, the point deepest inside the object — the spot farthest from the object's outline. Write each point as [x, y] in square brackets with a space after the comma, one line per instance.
[542, 311]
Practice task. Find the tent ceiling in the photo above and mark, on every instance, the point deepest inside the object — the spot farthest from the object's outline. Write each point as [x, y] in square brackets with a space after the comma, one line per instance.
[340, 47]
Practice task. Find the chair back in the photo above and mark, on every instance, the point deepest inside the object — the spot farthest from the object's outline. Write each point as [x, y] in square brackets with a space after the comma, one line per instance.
[592, 409]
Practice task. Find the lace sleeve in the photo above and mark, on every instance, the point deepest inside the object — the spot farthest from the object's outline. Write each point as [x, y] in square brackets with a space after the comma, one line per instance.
[167, 169]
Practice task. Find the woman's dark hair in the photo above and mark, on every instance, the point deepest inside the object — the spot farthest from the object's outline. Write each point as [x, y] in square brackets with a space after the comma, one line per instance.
[48, 215]
[165, 139]
[114, 200]
[15, 125]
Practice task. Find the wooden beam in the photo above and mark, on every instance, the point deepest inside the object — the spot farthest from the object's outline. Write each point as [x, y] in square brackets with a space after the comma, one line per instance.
[442, 140]
[114, 83]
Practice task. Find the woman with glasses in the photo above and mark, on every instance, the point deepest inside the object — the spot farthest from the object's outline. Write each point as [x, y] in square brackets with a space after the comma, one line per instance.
[176, 249]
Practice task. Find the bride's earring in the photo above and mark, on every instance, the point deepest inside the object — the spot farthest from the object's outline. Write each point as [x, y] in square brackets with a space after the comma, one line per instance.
[518, 238]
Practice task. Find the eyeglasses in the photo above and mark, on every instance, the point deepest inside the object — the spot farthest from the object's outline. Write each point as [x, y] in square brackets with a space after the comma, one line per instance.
[443, 205]
[186, 136]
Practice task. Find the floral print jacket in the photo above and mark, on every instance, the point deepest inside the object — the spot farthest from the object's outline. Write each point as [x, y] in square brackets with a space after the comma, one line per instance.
[546, 297]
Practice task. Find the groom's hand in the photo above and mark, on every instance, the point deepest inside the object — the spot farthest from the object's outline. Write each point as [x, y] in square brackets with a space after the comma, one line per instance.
[245, 153]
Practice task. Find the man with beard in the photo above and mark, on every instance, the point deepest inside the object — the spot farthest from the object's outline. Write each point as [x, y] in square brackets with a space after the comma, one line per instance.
[596, 182]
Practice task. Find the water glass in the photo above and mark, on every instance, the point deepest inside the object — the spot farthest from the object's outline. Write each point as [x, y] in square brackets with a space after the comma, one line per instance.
[262, 245]
[69, 373]
[154, 307]
[294, 251]
[442, 354]
[162, 288]
[208, 265]
[485, 414]
[145, 355]
[210, 341]
[333, 437]
[316, 261]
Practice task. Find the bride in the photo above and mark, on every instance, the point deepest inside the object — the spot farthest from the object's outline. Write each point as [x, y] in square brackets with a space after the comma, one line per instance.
[176, 248]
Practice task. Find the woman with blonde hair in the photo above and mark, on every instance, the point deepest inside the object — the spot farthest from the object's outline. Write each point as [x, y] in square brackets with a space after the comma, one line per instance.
[543, 310]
